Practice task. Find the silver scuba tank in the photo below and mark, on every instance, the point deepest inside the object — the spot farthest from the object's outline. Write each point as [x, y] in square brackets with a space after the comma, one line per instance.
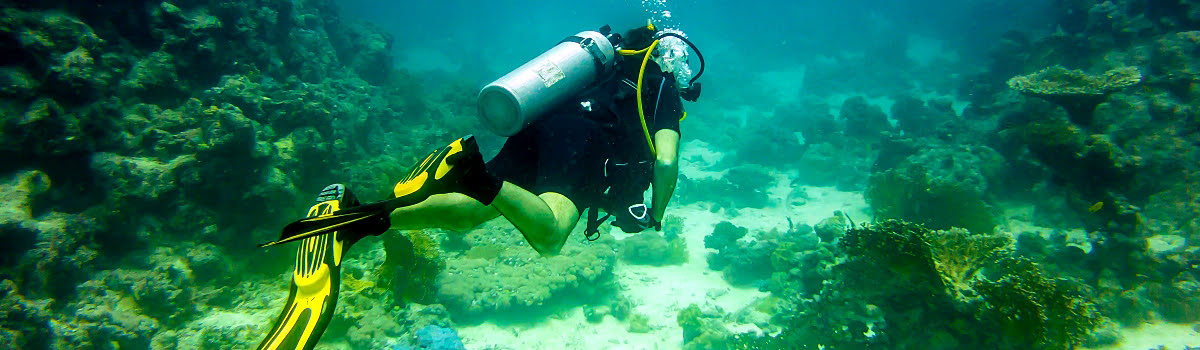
[517, 99]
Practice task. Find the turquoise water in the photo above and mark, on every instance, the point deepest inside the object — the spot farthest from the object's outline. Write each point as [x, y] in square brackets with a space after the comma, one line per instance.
[911, 174]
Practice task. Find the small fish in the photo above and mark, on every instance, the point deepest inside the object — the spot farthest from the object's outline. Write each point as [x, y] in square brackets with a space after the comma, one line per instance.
[1096, 207]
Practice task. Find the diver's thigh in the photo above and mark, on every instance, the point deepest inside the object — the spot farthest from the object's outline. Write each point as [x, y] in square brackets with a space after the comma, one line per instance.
[566, 214]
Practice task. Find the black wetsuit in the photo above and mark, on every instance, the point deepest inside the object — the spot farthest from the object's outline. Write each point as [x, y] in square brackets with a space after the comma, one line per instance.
[580, 153]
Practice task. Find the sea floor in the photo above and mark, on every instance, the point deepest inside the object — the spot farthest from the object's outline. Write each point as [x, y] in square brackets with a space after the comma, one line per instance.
[660, 292]
[1158, 336]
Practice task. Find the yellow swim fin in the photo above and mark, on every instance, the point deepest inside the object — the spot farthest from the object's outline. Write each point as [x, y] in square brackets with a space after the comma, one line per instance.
[437, 173]
[315, 282]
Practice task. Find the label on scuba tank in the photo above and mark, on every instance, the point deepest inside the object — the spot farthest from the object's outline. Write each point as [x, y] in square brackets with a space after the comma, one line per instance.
[550, 74]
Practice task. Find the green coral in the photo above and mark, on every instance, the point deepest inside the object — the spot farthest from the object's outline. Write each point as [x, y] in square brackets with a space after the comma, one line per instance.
[501, 274]
[689, 320]
[903, 285]
[1078, 92]
[701, 331]
[939, 187]
[651, 248]
[1033, 311]
[413, 264]
[639, 323]
[958, 256]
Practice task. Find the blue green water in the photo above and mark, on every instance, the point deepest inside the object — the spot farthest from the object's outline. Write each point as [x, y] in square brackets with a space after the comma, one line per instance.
[860, 174]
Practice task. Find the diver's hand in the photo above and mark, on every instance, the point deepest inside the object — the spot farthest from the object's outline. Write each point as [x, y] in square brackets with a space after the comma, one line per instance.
[637, 219]
[474, 179]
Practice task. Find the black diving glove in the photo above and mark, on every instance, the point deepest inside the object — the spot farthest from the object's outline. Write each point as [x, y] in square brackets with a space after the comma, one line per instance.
[474, 180]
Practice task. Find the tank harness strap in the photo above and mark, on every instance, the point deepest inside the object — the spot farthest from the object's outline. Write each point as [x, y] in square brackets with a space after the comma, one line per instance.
[663, 82]
[590, 46]
[592, 232]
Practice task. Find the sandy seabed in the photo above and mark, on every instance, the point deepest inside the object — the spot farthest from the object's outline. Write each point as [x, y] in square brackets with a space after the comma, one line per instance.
[660, 292]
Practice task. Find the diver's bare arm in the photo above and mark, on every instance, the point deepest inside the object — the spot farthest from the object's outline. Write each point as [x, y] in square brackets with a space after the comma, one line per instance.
[666, 170]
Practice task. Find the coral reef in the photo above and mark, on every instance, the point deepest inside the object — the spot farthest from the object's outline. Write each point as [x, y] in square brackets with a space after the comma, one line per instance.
[501, 275]
[743, 262]
[831, 228]
[941, 187]
[199, 126]
[740, 187]
[863, 120]
[921, 118]
[652, 248]
[901, 285]
[1075, 91]
[1033, 311]
[413, 264]
[702, 330]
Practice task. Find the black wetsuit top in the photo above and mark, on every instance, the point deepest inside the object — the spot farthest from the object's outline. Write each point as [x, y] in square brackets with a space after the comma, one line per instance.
[580, 153]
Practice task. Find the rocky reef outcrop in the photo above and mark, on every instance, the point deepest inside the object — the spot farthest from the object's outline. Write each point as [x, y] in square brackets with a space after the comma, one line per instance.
[147, 146]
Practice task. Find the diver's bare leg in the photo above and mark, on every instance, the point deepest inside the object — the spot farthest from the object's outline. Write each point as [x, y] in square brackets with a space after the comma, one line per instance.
[544, 220]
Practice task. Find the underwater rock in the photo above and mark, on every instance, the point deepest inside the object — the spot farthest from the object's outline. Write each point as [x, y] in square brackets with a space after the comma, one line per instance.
[177, 111]
[370, 323]
[826, 164]
[1174, 59]
[1177, 301]
[47, 254]
[918, 120]
[154, 79]
[16, 83]
[108, 314]
[44, 129]
[595, 314]
[438, 338]
[863, 120]
[1074, 90]
[28, 323]
[743, 186]
[366, 49]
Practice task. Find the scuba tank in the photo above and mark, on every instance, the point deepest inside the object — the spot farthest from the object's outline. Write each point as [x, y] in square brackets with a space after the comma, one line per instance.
[517, 99]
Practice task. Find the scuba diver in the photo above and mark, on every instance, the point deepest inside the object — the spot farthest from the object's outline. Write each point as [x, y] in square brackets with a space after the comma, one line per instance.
[592, 124]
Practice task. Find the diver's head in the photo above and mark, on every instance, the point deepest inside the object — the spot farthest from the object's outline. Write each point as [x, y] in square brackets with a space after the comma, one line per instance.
[639, 38]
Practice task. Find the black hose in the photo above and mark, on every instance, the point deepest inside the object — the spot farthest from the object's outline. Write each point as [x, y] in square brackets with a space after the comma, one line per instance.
[693, 46]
